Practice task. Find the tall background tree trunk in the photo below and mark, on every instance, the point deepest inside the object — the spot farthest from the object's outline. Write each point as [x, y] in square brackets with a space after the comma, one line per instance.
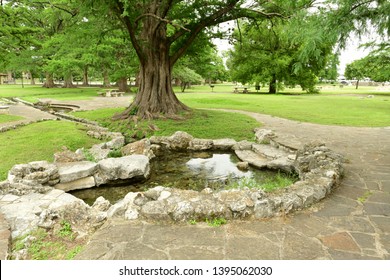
[85, 76]
[68, 82]
[272, 85]
[106, 79]
[49, 82]
[32, 81]
[122, 84]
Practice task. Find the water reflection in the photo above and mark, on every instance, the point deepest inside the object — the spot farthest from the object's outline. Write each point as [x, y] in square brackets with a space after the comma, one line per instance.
[193, 171]
[219, 166]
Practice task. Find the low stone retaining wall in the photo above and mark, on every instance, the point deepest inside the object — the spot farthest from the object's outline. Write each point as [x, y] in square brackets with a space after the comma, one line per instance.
[34, 193]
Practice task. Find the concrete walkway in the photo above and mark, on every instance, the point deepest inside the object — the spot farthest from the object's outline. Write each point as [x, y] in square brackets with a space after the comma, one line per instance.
[340, 227]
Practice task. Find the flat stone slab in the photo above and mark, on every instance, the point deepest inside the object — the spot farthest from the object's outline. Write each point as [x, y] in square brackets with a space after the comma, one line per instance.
[124, 167]
[83, 183]
[76, 170]
[252, 158]
[269, 151]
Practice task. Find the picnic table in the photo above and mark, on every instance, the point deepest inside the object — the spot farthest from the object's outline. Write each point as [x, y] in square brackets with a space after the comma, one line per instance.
[241, 90]
[111, 93]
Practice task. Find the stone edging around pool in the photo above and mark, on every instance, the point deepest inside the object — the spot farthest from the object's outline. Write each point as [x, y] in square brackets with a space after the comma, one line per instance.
[32, 195]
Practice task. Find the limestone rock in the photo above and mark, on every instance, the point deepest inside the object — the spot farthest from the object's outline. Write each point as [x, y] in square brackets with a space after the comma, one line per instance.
[116, 143]
[269, 151]
[99, 151]
[34, 173]
[264, 136]
[76, 170]
[200, 144]
[263, 209]
[243, 165]
[67, 156]
[155, 210]
[101, 204]
[180, 140]
[83, 183]
[243, 145]
[283, 164]
[252, 158]
[224, 144]
[128, 167]
[142, 147]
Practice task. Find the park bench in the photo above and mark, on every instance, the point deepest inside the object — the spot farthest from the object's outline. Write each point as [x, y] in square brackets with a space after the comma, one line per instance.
[4, 110]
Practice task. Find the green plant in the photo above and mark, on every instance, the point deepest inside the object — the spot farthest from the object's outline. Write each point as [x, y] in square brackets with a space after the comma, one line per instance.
[192, 222]
[280, 181]
[216, 222]
[364, 197]
[65, 230]
[115, 153]
[49, 245]
[72, 253]
[88, 155]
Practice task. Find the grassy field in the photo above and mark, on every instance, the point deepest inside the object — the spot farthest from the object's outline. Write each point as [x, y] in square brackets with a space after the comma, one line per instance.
[334, 105]
[322, 109]
[200, 124]
[9, 118]
[39, 141]
[33, 93]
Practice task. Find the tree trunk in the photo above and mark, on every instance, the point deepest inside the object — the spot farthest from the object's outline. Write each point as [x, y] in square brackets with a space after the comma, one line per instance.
[357, 84]
[106, 79]
[155, 97]
[49, 83]
[68, 82]
[32, 82]
[85, 76]
[122, 84]
[272, 85]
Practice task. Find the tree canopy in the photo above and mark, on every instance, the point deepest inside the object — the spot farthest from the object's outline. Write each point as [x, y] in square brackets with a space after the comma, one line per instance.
[122, 38]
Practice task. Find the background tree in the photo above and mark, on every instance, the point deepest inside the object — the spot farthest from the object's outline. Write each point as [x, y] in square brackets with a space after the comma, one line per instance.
[186, 76]
[377, 65]
[356, 71]
[161, 31]
[281, 51]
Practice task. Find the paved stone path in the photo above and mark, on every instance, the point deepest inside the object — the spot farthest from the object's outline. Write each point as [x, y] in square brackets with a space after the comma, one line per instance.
[339, 227]
[28, 113]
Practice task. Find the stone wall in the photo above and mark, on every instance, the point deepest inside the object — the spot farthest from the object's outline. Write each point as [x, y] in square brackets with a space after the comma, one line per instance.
[38, 189]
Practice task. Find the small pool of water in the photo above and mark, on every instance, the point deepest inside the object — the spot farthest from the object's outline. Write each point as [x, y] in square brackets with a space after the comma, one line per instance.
[194, 171]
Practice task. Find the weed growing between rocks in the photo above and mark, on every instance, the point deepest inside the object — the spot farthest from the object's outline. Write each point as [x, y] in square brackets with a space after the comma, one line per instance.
[216, 222]
[281, 180]
[40, 244]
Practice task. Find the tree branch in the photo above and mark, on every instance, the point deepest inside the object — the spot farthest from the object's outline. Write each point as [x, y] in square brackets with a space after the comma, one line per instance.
[160, 19]
[209, 21]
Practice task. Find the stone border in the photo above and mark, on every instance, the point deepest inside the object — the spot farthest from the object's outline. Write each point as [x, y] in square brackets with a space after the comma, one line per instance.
[318, 167]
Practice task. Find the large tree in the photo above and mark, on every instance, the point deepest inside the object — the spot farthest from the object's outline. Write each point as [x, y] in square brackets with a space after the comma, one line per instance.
[282, 51]
[161, 31]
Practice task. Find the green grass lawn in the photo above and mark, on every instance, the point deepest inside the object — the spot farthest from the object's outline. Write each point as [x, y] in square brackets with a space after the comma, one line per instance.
[348, 110]
[39, 141]
[334, 105]
[33, 93]
[200, 124]
[9, 118]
